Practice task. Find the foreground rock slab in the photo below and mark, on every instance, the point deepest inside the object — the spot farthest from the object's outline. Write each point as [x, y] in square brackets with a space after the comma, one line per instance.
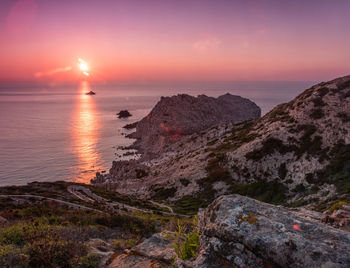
[154, 252]
[239, 231]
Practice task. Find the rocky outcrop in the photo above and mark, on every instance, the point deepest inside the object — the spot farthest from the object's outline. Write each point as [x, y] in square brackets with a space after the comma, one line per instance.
[156, 251]
[238, 231]
[180, 115]
[298, 154]
[338, 216]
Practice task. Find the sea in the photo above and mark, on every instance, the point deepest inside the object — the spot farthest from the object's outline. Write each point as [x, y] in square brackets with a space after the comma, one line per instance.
[54, 131]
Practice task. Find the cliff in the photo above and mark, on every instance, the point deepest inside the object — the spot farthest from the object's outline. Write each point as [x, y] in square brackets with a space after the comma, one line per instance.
[181, 115]
[296, 155]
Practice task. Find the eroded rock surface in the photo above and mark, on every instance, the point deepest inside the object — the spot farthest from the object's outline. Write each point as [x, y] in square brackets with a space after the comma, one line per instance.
[155, 252]
[298, 154]
[184, 115]
[238, 231]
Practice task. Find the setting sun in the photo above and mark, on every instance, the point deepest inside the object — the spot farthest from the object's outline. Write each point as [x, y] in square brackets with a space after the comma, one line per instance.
[83, 66]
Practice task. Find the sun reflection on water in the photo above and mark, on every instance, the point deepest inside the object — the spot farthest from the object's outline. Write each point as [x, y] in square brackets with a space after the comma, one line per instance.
[85, 135]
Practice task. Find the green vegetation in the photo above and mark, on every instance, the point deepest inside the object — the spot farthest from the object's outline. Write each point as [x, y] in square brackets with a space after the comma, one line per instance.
[185, 182]
[241, 134]
[140, 173]
[337, 205]
[308, 144]
[121, 244]
[306, 94]
[337, 172]
[323, 91]
[343, 84]
[317, 113]
[272, 192]
[125, 199]
[189, 205]
[300, 188]
[47, 235]
[212, 142]
[160, 193]
[269, 146]
[318, 102]
[282, 171]
[344, 117]
[186, 244]
[280, 113]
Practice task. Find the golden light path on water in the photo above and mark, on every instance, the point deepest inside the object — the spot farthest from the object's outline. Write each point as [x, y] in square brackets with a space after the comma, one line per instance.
[85, 135]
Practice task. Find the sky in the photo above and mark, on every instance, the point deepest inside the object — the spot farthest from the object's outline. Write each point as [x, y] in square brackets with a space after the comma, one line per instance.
[142, 40]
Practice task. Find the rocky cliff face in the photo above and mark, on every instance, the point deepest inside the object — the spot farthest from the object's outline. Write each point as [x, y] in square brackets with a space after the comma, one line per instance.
[180, 115]
[237, 231]
[298, 154]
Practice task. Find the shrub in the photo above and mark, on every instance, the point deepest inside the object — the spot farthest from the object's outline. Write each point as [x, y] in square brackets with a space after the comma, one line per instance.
[337, 171]
[12, 256]
[344, 84]
[267, 191]
[323, 91]
[269, 146]
[279, 113]
[344, 117]
[140, 173]
[282, 171]
[160, 193]
[123, 243]
[337, 205]
[189, 205]
[185, 182]
[317, 114]
[128, 223]
[300, 188]
[186, 245]
[90, 261]
[318, 102]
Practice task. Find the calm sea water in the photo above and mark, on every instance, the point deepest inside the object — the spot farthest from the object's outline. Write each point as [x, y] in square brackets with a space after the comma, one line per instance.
[56, 132]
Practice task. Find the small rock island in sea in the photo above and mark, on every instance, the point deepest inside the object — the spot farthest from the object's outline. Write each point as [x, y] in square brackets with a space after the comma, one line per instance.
[90, 93]
[124, 114]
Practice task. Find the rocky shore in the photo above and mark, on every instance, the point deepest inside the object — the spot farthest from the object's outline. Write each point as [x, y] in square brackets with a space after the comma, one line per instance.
[210, 190]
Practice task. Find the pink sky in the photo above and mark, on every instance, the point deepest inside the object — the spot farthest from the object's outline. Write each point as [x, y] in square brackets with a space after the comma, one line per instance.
[174, 40]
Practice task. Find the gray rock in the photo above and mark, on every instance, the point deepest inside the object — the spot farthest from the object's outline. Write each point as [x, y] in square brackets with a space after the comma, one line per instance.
[3, 220]
[238, 231]
[156, 247]
[155, 251]
[183, 115]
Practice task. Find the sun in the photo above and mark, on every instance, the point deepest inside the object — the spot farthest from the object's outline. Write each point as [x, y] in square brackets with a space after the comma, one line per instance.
[83, 66]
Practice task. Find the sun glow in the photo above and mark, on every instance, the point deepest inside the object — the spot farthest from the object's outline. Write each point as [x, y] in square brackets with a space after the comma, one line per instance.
[83, 66]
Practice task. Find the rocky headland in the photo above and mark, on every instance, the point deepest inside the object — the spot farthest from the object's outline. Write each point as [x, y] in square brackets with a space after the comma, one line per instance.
[182, 115]
[210, 190]
[296, 155]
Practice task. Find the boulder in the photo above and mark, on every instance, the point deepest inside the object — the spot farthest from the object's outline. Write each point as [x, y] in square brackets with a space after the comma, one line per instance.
[155, 251]
[339, 218]
[238, 231]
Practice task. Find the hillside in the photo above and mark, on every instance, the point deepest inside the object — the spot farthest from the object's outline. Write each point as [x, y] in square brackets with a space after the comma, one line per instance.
[182, 115]
[297, 154]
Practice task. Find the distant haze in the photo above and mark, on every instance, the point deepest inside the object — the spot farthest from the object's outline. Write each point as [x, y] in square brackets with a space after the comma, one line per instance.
[174, 40]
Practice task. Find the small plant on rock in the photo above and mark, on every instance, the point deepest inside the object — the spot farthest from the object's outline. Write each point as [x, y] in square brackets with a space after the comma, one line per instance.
[186, 245]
